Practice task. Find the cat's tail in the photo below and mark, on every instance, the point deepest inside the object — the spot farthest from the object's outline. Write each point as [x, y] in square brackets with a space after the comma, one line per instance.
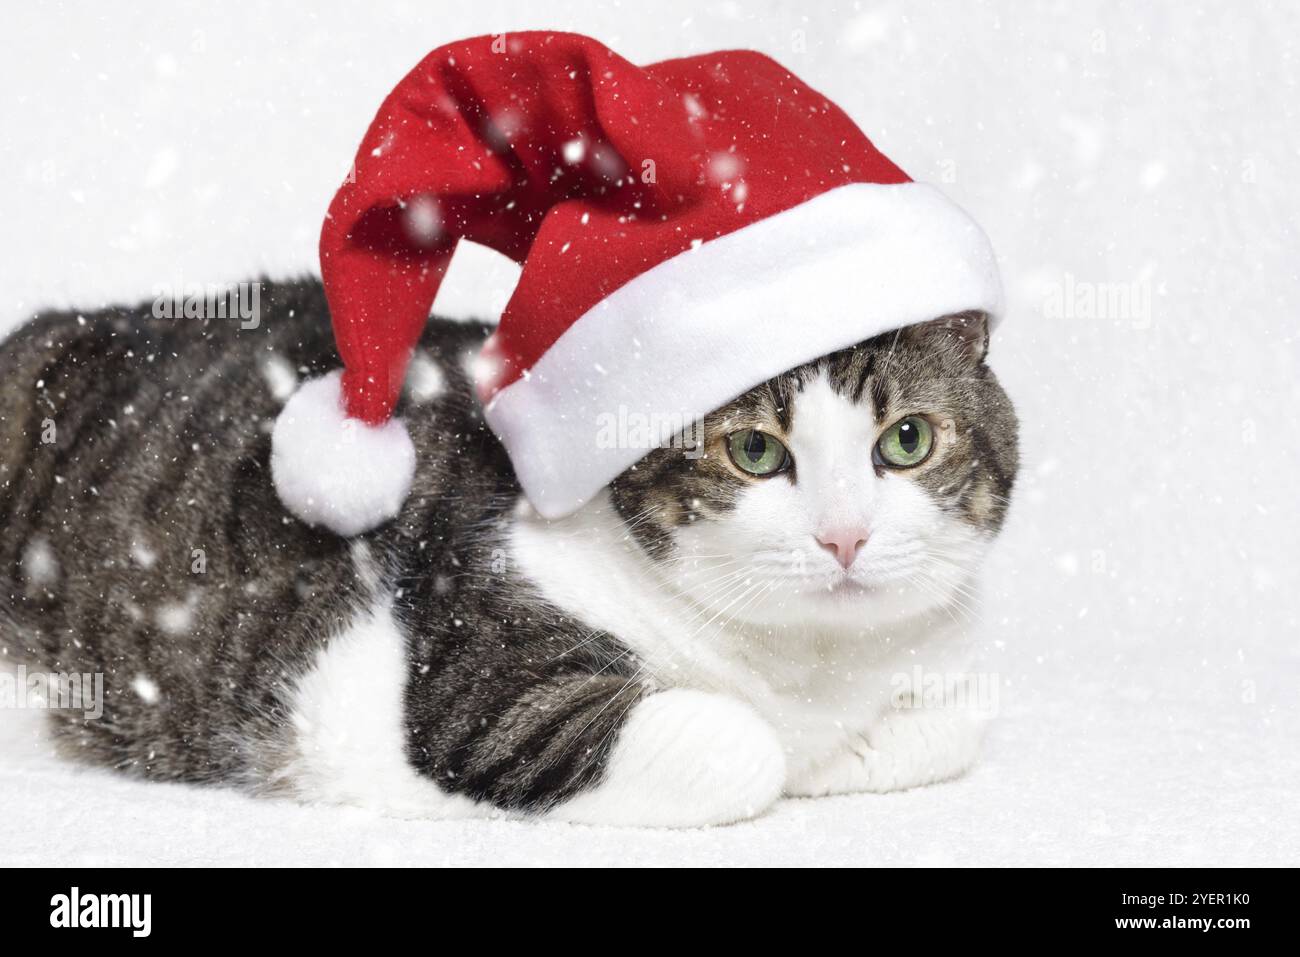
[24, 358]
[28, 460]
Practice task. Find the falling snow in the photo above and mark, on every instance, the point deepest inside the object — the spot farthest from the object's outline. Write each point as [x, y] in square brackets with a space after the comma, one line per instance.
[574, 151]
[423, 221]
[175, 618]
[1142, 605]
[40, 564]
[143, 555]
[280, 377]
[424, 379]
[147, 690]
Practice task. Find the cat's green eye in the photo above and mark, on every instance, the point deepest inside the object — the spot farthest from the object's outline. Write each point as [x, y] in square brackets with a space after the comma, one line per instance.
[757, 453]
[906, 443]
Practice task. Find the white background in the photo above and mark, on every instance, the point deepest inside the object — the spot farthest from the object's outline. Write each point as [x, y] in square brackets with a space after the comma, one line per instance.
[1143, 601]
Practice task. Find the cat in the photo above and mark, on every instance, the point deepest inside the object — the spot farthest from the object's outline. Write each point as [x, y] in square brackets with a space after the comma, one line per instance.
[723, 625]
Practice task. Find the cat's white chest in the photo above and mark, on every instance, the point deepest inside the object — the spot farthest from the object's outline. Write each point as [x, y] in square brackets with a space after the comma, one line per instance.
[816, 690]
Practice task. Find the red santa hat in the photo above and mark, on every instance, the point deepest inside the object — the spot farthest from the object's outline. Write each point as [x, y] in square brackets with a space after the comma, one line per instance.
[686, 229]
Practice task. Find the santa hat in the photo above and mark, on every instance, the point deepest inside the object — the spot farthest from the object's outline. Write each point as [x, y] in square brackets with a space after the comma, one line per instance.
[686, 230]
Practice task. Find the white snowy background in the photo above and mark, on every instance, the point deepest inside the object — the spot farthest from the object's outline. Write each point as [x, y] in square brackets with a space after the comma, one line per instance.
[1144, 601]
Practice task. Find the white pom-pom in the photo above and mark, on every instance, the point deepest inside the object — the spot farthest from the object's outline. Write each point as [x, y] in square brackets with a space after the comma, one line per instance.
[335, 471]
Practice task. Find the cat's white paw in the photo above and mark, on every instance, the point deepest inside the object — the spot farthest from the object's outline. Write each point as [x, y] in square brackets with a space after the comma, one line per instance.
[685, 759]
[905, 749]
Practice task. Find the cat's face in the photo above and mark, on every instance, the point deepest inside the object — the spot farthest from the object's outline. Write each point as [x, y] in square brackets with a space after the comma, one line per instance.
[859, 488]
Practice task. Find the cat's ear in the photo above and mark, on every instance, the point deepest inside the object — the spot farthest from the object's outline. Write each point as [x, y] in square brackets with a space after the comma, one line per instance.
[968, 331]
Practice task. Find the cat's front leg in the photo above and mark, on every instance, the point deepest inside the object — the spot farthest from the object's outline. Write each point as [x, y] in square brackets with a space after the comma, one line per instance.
[684, 758]
[904, 748]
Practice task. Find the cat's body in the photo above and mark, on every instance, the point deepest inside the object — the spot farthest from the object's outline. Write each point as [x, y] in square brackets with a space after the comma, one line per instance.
[680, 651]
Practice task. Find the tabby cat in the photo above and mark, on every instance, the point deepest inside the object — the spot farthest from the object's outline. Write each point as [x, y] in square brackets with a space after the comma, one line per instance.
[714, 631]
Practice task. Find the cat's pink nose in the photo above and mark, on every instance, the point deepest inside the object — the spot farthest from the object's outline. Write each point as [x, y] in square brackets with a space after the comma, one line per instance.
[843, 543]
